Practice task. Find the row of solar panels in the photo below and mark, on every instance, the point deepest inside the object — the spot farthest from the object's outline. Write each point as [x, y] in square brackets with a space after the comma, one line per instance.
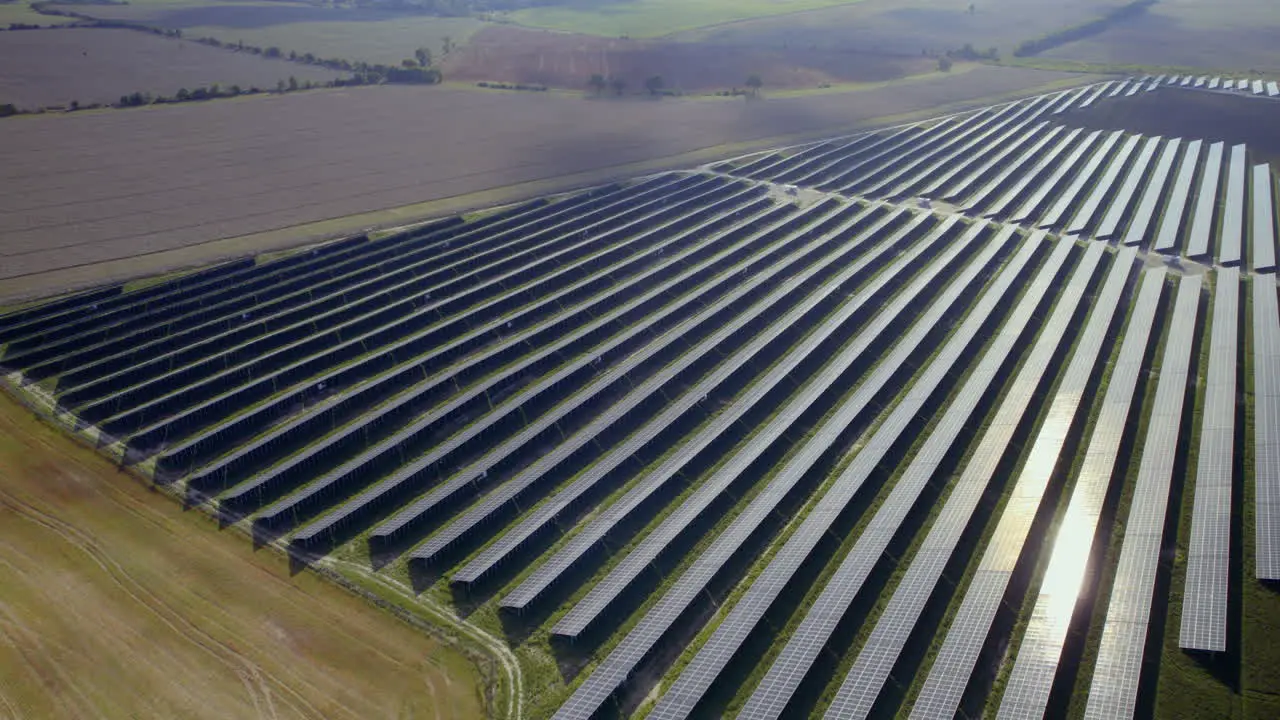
[1255, 86]
[1010, 163]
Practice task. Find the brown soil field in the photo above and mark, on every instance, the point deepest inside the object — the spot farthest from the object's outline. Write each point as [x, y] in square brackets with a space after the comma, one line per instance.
[1174, 112]
[84, 196]
[1223, 35]
[371, 35]
[91, 65]
[518, 55]
[906, 27]
[116, 603]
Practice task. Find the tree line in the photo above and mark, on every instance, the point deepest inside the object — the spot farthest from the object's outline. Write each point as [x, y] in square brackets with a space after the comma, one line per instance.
[1083, 30]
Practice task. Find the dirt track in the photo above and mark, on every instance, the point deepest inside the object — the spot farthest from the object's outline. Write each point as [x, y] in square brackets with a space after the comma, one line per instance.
[117, 604]
[84, 189]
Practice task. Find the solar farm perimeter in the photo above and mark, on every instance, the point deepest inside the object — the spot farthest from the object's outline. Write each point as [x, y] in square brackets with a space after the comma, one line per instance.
[962, 416]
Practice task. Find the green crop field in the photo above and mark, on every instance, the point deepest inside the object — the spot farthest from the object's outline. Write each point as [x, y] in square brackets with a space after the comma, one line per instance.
[654, 18]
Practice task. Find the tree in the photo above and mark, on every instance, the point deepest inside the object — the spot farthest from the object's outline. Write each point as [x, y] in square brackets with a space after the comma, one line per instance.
[424, 56]
[8, 109]
[597, 84]
[755, 83]
[944, 63]
[448, 44]
[654, 84]
[183, 95]
[293, 83]
[409, 63]
[619, 86]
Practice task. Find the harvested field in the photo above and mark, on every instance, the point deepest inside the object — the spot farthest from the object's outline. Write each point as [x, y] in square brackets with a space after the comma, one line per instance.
[119, 194]
[91, 65]
[375, 36]
[563, 60]
[895, 27]
[1174, 112]
[117, 604]
[653, 18]
[1222, 35]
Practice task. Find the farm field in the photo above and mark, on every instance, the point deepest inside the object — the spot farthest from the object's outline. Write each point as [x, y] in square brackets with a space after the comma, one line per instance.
[90, 65]
[654, 18]
[969, 416]
[118, 604]
[897, 28]
[557, 59]
[1231, 34]
[135, 191]
[18, 11]
[369, 35]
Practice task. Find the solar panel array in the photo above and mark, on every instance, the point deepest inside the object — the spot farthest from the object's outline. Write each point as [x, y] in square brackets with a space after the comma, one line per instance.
[1204, 603]
[965, 638]
[709, 434]
[1027, 692]
[1266, 428]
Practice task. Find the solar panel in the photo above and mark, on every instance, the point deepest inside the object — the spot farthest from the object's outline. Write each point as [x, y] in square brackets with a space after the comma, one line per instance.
[1258, 87]
[1020, 166]
[1201, 81]
[177, 414]
[1207, 199]
[654, 482]
[603, 594]
[1215, 83]
[1082, 179]
[361, 397]
[1145, 214]
[608, 676]
[934, 155]
[984, 159]
[1120, 204]
[387, 441]
[1013, 193]
[1036, 664]
[788, 670]
[1171, 220]
[685, 693]
[1098, 91]
[1266, 429]
[512, 491]
[1117, 670]
[1084, 216]
[1232, 229]
[1273, 90]
[1204, 601]
[862, 685]
[1120, 88]
[418, 472]
[945, 684]
[1262, 226]
[815, 170]
[1033, 205]
[544, 514]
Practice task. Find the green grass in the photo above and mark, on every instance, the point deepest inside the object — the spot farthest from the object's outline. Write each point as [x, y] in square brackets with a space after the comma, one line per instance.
[655, 18]
[21, 12]
[373, 41]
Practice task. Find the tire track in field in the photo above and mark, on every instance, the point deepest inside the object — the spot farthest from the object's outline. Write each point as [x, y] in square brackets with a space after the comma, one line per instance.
[256, 683]
[133, 506]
